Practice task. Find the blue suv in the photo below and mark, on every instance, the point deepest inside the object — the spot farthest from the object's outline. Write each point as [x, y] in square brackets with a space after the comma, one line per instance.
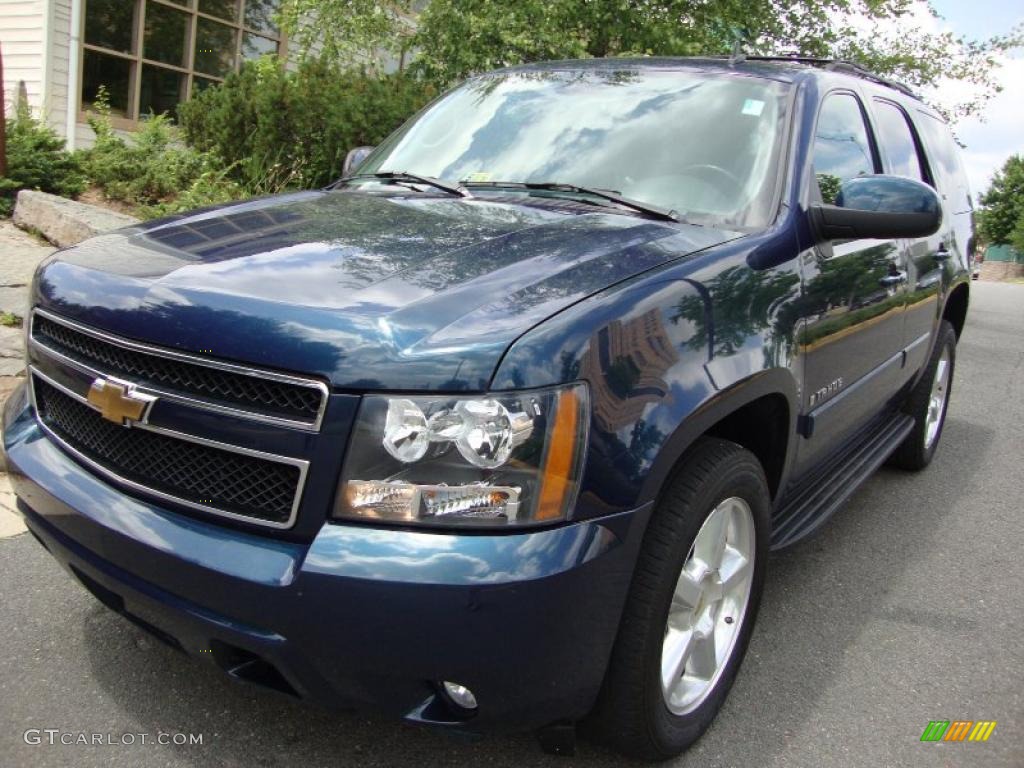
[497, 431]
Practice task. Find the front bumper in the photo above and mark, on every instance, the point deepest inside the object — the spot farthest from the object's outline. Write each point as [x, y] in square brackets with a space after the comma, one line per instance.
[361, 616]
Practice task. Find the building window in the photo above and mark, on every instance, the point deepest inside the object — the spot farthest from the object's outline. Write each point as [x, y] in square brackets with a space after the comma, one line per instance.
[152, 54]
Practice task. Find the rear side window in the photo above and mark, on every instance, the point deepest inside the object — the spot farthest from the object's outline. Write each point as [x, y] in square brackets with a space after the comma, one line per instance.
[897, 141]
[842, 150]
[944, 159]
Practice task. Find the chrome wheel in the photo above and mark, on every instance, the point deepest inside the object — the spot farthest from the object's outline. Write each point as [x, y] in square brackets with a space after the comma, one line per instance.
[937, 400]
[708, 606]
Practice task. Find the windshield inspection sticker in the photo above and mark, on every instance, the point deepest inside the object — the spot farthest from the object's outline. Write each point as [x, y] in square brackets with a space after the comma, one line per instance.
[478, 176]
[753, 107]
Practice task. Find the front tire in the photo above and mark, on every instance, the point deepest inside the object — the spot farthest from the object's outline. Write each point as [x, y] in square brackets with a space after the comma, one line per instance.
[927, 404]
[691, 607]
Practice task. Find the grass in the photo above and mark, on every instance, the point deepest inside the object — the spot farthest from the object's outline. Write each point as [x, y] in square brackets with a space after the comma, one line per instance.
[10, 320]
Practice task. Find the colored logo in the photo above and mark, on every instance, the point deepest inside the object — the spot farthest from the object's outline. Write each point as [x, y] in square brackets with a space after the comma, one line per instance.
[119, 402]
[958, 730]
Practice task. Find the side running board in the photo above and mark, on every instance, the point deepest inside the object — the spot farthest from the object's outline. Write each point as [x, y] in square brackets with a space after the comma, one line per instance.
[814, 501]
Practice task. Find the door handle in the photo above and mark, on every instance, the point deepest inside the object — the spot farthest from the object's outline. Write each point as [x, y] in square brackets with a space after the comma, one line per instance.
[890, 280]
[943, 253]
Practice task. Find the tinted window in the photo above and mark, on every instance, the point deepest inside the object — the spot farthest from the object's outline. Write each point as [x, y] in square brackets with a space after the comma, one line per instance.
[944, 159]
[897, 141]
[129, 41]
[110, 72]
[704, 145]
[110, 23]
[842, 150]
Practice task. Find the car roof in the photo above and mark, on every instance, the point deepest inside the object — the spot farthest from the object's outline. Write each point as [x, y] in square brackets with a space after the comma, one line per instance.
[783, 69]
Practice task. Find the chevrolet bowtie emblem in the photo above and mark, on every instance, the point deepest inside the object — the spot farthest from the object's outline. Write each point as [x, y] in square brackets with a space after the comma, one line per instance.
[119, 402]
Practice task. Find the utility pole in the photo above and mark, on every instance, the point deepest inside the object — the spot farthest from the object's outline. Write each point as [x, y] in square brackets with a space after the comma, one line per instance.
[3, 121]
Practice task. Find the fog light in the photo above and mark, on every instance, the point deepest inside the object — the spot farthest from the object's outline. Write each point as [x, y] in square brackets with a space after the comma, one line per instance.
[460, 695]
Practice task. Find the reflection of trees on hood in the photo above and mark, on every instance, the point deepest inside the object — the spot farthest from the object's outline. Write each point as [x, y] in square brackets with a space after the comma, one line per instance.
[744, 304]
[370, 235]
[484, 85]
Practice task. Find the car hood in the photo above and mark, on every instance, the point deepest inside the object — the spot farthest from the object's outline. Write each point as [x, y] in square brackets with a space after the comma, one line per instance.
[413, 292]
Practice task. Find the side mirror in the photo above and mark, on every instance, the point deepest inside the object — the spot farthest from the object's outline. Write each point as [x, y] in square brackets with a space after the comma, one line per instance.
[878, 207]
[354, 159]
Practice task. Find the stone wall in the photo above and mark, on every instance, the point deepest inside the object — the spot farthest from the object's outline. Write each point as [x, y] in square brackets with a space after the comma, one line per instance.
[1001, 270]
[64, 222]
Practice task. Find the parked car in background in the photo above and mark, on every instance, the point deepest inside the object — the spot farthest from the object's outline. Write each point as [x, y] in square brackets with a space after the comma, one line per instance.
[497, 432]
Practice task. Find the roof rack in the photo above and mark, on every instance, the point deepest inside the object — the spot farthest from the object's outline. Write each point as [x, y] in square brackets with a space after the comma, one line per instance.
[845, 67]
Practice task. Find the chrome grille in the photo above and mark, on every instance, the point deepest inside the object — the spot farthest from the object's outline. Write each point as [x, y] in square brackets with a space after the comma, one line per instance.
[254, 394]
[195, 473]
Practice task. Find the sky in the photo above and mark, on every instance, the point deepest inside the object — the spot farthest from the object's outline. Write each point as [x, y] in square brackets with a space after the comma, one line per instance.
[999, 131]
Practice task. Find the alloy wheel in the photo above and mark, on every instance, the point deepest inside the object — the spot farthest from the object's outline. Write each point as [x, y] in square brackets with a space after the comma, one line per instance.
[708, 606]
[937, 400]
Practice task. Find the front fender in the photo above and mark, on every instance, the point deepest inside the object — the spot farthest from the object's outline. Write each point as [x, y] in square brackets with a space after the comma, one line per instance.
[665, 358]
[643, 360]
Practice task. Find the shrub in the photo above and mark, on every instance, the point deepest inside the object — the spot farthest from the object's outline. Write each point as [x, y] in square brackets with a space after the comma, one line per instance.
[153, 170]
[279, 129]
[36, 159]
[209, 188]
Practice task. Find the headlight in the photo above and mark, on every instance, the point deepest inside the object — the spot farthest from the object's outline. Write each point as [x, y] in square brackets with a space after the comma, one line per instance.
[497, 459]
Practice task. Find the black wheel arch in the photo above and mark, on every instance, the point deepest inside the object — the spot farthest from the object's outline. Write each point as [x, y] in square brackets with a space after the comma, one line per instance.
[759, 413]
[955, 308]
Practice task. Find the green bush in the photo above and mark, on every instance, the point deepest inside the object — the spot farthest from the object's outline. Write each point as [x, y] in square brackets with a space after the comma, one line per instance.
[279, 129]
[152, 170]
[36, 159]
[210, 187]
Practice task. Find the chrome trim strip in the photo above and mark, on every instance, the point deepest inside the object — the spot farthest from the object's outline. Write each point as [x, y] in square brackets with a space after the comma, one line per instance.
[173, 396]
[313, 426]
[918, 341]
[302, 464]
[843, 395]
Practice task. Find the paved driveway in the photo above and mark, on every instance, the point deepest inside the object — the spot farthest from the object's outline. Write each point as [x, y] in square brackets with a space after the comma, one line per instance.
[907, 607]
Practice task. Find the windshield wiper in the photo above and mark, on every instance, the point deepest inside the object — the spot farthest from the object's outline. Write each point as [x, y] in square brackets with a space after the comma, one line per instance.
[399, 176]
[575, 189]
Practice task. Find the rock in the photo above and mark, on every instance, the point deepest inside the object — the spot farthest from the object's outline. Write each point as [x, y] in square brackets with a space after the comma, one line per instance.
[64, 222]
[12, 351]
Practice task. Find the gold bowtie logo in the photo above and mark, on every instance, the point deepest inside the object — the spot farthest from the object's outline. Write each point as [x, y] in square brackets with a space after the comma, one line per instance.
[119, 402]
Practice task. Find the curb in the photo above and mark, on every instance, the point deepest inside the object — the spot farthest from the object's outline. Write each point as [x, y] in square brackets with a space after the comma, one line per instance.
[64, 222]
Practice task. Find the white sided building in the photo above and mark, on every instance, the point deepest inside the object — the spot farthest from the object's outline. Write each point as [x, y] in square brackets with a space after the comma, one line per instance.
[149, 54]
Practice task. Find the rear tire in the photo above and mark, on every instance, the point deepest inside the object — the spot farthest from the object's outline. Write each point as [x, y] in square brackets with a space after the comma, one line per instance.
[691, 606]
[928, 403]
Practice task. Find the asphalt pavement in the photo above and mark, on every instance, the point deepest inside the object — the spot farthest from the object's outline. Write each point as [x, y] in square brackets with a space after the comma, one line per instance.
[907, 607]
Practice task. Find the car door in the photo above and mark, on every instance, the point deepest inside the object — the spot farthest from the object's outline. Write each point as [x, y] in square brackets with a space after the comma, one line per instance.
[953, 245]
[924, 260]
[852, 302]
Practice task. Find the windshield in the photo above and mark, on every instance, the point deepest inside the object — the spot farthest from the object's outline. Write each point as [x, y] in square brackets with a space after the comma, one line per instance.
[703, 145]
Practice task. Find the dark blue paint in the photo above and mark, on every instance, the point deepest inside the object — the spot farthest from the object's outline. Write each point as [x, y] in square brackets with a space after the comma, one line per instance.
[888, 194]
[672, 326]
[414, 557]
[357, 617]
[368, 291]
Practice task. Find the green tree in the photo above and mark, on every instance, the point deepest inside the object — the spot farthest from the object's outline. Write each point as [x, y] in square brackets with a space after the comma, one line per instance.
[36, 159]
[344, 32]
[1017, 236]
[278, 129]
[1001, 219]
[455, 38]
